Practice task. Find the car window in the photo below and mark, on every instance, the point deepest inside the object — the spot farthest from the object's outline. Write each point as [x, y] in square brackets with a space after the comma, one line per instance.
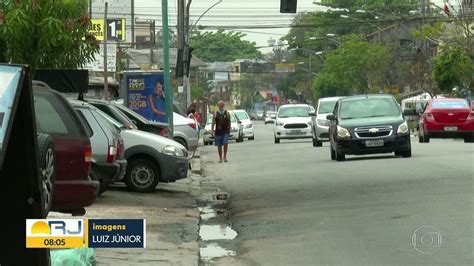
[293, 111]
[52, 117]
[233, 118]
[326, 107]
[99, 115]
[369, 107]
[87, 126]
[242, 115]
[114, 112]
[131, 114]
[449, 104]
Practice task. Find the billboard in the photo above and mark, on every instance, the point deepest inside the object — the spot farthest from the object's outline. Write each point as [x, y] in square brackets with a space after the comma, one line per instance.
[98, 63]
[115, 30]
[116, 9]
[145, 94]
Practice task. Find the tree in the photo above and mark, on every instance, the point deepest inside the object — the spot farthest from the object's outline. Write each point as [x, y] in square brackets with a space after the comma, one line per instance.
[355, 66]
[172, 37]
[223, 46]
[48, 34]
[453, 68]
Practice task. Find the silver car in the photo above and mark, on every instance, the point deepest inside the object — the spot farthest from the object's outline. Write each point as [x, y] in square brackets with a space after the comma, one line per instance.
[108, 163]
[151, 158]
[319, 122]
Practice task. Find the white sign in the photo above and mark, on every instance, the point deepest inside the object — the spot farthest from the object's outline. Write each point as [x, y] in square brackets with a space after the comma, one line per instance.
[98, 63]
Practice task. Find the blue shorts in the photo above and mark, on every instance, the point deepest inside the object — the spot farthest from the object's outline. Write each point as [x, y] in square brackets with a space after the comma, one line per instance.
[222, 140]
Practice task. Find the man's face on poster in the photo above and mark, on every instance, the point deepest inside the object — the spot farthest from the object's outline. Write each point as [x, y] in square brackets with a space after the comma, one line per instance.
[158, 89]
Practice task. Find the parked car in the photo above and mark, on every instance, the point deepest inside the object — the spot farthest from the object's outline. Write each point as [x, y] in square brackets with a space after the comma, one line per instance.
[73, 189]
[270, 117]
[151, 158]
[108, 163]
[368, 124]
[236, 130]
[293, 121]
[446, 118]
[184, 129]
[127, 116]
[246, 123]
[319, 122]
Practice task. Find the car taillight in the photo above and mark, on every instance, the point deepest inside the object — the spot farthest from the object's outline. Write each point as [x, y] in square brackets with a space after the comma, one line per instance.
[192, 125]
[471, 116]
[429, 117]
[111, 154]
[88, 157]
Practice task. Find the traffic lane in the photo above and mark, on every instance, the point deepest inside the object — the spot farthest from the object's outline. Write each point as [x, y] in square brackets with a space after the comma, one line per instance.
[291, 201]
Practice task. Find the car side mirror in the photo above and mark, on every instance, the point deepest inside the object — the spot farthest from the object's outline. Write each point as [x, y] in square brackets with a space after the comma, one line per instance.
[410, 112]
[331, 117]
[312, 113]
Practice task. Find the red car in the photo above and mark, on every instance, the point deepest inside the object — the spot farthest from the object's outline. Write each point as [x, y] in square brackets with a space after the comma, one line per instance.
[73, 189]
[447, 118]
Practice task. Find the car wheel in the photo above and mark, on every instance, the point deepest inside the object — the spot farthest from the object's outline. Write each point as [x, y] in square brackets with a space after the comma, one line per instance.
[420, 138]
[319, 143]
[47, 166]
[315, 142]
[469, 140]
[252, 138]
[182, 142]
[340, 156]
[206, 143]
[406, 153]
[142, 175]
[426, 138]
[277, 140]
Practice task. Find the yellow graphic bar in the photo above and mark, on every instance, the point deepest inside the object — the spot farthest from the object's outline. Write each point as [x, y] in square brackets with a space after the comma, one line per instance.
[55, 242]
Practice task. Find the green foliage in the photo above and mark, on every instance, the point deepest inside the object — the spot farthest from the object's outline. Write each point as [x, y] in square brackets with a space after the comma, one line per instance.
[355, 66]
[196, 92]
[48, 34]
[223, 46]
[382, 6]
[453, 68]
[172, 37]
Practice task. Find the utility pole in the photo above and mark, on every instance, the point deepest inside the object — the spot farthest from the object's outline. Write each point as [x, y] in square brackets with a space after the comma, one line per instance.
[181, 44]
[106, 74]
[186, 61]
[166, 66]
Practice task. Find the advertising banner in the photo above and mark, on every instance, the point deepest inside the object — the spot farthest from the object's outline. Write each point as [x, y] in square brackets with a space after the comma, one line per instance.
[145, 94]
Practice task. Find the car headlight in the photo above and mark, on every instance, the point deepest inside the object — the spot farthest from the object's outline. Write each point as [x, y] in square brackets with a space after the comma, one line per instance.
[248, 126]
[173, 151]
[278, 123]
[343, 133]
[402, 128]
[322, 122]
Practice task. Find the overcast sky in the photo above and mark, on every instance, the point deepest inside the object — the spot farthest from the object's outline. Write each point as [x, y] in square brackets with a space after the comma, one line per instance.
[251, 15]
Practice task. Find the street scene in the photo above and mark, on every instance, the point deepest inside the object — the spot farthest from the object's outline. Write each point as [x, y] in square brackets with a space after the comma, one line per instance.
[227, 132]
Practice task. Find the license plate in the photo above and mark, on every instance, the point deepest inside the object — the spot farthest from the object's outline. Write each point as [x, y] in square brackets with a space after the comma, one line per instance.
[374, 143]
[450, 128]
[295, 132]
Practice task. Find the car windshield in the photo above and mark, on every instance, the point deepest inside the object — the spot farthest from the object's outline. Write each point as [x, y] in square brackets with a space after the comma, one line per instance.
[242, 115]
[449, 104]
[326, 107]
[368, 107]
[293, 111]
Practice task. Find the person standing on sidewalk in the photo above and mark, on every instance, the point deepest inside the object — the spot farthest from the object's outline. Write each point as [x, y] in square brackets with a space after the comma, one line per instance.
[221, 130]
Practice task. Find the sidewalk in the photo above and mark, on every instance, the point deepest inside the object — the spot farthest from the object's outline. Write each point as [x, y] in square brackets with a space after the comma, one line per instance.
[172, 221]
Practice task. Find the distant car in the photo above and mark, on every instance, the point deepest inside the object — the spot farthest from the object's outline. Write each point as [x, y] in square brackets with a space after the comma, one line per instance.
[236, 131]
[259, 115]
[319, 122]
[108, 163]
[447, 118]
[73, 189]
[270, 117]
[151, 158]
[368, 124]
[246, 123]
[293, 121]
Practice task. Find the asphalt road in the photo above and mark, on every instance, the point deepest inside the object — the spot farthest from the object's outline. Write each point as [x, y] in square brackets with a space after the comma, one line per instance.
[292, 205]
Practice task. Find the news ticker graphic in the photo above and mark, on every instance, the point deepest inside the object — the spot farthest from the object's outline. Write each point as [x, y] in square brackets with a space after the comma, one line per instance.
[82, 233]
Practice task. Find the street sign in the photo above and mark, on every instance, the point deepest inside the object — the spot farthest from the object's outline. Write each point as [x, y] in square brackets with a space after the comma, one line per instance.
[115, 30]
[98, 63]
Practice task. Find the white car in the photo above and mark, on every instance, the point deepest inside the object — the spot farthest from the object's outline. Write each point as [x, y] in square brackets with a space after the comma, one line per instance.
[270, 117]
[236, 131]
[319, 122]
[293, 121]
[246, 123]
[185, 131]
